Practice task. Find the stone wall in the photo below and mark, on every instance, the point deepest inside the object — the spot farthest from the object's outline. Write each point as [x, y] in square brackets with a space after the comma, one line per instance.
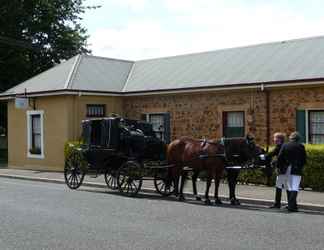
[200, 114]
[285, 102]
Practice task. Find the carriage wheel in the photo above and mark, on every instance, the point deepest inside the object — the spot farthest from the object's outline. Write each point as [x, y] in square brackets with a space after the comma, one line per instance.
[111, 179]
[129, 178]
[74, 170]
[163, 184]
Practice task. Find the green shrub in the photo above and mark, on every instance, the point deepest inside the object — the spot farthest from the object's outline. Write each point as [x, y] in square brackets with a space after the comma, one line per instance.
[313, 172]
[69, 146]
[74, 156]
[314, 169]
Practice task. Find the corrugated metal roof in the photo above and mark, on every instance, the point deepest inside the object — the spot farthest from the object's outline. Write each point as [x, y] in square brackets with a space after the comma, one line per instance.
[281, 61]
[298, 59]
[52, 79]
[100, 74]
[82, 72]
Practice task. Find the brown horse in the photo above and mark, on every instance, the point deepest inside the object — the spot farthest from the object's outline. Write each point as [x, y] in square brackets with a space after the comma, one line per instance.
[197, 155]
[238, 152]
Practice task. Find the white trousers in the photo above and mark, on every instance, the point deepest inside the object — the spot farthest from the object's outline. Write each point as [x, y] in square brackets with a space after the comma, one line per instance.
[288, 181]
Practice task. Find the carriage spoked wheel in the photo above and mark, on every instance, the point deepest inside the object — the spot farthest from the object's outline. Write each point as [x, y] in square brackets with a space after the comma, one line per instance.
[111, 179]
[129, 178]
[74, 169]
[163, 184]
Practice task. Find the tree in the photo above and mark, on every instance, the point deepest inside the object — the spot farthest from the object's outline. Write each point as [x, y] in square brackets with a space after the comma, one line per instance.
[37, 34]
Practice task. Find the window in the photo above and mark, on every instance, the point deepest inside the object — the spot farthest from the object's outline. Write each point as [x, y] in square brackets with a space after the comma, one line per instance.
[157, 121]
[316, 126]
[96, 110]
[35, 139]
[161, 125]
[233, 124]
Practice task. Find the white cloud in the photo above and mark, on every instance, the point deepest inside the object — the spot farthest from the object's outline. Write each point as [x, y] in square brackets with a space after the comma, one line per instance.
[135, 5]
[138, 40]
[202, 25]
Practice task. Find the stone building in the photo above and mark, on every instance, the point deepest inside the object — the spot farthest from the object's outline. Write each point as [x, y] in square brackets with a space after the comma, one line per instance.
[259, 89]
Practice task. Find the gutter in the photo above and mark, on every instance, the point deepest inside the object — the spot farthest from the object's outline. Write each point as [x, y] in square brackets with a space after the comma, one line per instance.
[169, 91]
[267, 106]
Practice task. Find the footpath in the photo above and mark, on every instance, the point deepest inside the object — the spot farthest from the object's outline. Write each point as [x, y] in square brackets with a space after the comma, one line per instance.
[248, 194]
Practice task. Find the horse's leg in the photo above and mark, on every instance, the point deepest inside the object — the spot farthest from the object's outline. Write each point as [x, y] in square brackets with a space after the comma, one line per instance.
[217, 200]
[183, 180]
[207, 201]
[175, 179]
[232, 180]
[176, 184]
[194, 185]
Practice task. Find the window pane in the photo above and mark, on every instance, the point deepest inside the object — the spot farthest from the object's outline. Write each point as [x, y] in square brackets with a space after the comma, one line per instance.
[233, 124]
[157, 122]
[37, 141]
[36, 126]
[235, 119]
[35, 134]
[317, 139]
[316, 127]
[96, 110]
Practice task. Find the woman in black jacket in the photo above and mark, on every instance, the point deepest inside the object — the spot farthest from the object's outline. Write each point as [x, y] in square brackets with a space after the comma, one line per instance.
[293, 157]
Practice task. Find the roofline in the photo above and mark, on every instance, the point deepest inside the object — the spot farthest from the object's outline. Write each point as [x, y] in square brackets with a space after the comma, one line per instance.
[129, 75]
[72, 71]
[234, 47]
[109, 58]
[272, 84]
[257, 85]
[60, 92]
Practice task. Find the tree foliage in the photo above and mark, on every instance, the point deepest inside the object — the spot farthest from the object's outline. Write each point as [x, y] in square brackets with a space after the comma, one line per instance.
[37, 34]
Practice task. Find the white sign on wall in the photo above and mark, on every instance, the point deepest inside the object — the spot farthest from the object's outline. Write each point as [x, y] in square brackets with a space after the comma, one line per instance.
[21, 102]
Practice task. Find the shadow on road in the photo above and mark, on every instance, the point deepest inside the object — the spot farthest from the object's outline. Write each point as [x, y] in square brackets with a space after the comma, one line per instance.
[191, 201]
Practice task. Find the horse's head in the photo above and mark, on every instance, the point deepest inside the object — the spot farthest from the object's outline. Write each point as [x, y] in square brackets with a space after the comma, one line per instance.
[255, 152]
[242, 150]
[247, 149]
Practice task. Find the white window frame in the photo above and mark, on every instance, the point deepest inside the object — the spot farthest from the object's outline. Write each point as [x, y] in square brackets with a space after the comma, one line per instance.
[29, 135]
[307, 121]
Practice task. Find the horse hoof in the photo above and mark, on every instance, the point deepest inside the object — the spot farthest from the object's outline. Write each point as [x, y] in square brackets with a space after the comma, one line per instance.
[235, 202]
[207, 202]
[218, 202]
[181, 198]
[198, 198]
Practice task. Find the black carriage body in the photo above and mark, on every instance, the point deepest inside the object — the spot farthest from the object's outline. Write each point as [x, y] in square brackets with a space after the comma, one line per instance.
[109, 142]
[100, 143]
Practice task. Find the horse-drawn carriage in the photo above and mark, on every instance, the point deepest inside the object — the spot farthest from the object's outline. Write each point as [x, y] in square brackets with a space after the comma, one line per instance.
[125, 151]
[128, 152]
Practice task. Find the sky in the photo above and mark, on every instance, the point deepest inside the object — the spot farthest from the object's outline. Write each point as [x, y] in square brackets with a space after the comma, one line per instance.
[141, 29]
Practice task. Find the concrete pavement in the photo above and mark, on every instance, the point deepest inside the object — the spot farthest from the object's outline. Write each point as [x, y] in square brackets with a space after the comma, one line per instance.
[250, 194]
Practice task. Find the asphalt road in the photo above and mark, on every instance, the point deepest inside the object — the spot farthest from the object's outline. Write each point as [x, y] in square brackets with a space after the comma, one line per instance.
[36, 215]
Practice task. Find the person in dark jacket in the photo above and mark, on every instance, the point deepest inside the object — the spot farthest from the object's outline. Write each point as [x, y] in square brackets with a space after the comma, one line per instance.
[278, 139]
[293, 157]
